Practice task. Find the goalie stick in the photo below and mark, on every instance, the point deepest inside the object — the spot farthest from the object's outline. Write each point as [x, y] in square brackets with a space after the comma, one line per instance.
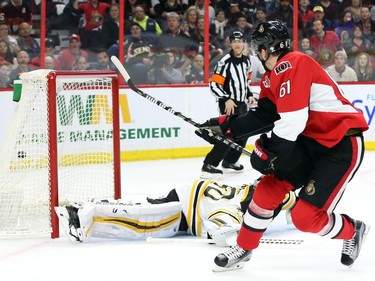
[159, 103]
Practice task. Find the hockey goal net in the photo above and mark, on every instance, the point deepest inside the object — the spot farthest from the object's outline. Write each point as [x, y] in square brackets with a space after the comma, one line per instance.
[63, 146]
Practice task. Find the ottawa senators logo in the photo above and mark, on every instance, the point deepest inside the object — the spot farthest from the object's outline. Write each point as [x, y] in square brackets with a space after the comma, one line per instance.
[310, 188]
[282, 67]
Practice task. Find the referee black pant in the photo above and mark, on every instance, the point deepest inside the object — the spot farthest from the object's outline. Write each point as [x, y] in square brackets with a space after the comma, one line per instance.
[221, 151]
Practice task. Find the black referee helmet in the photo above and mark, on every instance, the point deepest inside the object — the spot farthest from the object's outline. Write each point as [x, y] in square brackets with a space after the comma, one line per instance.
[236, 35]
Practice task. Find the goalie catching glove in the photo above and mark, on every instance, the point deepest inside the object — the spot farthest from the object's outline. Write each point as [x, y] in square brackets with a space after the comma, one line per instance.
[262, 159]
[218, 125]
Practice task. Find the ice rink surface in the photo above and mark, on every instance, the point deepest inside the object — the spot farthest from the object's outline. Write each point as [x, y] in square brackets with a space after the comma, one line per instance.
[42, 258]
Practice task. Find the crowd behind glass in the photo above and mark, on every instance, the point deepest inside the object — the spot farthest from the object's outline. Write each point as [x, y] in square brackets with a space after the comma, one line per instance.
[165, 39]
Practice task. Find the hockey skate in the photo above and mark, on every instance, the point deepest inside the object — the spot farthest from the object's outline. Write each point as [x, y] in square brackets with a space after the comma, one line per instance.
[232, 259]
[232, 167]
[68, 216]
[352, 247]
[210, 172]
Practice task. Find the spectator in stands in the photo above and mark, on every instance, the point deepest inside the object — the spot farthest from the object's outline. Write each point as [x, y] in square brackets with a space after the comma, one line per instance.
[305, 47]
[49, 62]
[342, 5]
[372, 10]
[368, 25]
[324, 44]
[196, 72]
[234, 12]
[340, 71]
[26, 42]
[344, 27]
[11, 41]
[23, 61]
[284, 13]
[68, 19]
[94, 13]
[318, 15]
[163, 7]
[129, 10]
[14, 13]
[225, 5]
[331, 10]
[50, 51]
[104, 63]
[249, 8]
[355, 8]
[219, 28]
[363, 67]
[260, 16]
[191, 17]
[130, 7]
[5, 70]
[184, 27]
[244, 26]
[6, 53]
[199, 5]
[199, 35]
[305, 15]
[138, 52]
[69, 55]
[173, 38]
[80, 64]
[149, 25]
[163, 70]
[110, 29]
[357, 44]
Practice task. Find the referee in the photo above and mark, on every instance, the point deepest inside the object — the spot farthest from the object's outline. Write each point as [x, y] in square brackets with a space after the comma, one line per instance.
[230, 84]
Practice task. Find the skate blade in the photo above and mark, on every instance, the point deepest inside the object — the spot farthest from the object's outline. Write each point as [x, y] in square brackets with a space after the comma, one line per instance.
[63, 216]
[363, 241]
[232, 171]
[231, 268]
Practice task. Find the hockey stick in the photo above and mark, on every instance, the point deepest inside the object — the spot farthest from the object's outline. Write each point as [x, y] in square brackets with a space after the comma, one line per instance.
[179, 240]
[159, 103]
[273, 241]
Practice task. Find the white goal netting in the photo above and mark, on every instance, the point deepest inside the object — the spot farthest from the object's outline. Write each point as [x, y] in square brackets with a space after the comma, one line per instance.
[83, 167]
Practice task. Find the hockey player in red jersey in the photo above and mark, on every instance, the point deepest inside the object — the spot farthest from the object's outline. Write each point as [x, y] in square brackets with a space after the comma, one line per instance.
[315, 145]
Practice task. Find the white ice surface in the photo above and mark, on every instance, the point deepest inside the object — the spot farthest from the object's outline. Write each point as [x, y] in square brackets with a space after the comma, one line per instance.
[316, 259]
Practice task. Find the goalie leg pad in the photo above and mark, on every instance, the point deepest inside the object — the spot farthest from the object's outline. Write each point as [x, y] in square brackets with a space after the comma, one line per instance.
[136, 221]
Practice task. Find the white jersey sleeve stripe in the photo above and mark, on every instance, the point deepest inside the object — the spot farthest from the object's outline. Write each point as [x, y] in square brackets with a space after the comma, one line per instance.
[291, 124]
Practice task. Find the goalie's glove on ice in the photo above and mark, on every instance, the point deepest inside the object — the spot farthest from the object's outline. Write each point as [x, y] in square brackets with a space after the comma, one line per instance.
[262, 159]
[215, 126]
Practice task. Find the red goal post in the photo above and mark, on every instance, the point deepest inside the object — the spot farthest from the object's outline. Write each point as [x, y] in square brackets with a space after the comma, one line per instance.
[63, 146]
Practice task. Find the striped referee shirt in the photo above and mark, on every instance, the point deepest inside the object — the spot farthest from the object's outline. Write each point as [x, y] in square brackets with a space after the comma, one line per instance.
[231, 78]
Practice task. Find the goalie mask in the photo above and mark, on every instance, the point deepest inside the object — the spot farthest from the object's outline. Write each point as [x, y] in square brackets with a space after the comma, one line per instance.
[272, 36]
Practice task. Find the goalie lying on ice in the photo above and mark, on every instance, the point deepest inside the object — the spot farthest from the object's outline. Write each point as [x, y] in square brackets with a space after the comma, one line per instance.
[206, 209]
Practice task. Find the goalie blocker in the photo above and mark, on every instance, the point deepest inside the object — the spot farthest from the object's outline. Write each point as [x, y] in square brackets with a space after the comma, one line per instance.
[206, 209]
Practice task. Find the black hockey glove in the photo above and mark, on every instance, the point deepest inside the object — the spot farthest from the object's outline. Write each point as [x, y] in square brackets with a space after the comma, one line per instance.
[262, 159]
[206, 135]
[171, 197]
[218, 125]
